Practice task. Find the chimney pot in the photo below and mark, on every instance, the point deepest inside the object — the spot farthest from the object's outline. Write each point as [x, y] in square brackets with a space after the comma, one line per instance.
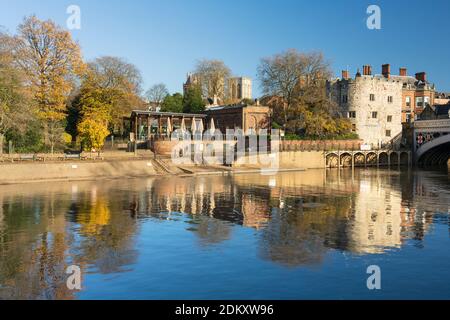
[421, 76]
[403, 72]
[367, 70]
[386, 70]
[345, 74]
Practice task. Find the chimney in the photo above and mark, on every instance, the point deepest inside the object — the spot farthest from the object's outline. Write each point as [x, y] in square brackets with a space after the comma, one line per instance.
[345, 74]
[403, 72]
[386, 70]
[367, 70]
[421, 76]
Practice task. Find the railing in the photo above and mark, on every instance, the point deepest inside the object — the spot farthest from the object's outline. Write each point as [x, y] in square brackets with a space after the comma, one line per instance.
[440, 123]
[320, 145]
[395, 143]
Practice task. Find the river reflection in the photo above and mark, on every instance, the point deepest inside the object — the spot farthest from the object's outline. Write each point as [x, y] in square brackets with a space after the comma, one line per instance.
[130, 228]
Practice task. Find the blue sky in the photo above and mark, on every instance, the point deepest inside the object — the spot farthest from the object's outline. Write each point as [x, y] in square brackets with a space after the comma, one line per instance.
[165, 38]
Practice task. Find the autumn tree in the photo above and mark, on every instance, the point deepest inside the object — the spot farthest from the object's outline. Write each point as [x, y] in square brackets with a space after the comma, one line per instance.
[15, 103]
[156, 94]
[122, 81]
[94, 105]
[93, 134]
[296, 83]
[213, 77]
[51, 61]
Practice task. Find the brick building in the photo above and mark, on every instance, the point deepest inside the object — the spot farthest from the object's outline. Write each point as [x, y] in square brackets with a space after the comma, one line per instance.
[246, 117]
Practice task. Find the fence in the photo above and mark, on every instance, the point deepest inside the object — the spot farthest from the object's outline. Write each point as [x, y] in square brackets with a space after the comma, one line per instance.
[320, 145]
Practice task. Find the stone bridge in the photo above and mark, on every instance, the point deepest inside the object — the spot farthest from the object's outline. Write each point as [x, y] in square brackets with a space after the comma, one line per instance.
[372, 158]
[432, 142]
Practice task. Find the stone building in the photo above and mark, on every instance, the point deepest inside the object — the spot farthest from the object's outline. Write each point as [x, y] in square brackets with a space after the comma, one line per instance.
[192, 80]
[239, 88]
[373, 103]
[235, 89]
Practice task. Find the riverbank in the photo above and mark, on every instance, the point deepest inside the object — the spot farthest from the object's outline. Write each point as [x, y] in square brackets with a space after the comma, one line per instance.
[126, 166]
[20, 173]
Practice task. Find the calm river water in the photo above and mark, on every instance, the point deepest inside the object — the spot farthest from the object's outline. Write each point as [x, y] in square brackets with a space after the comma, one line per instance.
[304, 235]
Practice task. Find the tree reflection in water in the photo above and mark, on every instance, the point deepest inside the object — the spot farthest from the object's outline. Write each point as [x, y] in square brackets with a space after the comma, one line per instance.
[296, 217]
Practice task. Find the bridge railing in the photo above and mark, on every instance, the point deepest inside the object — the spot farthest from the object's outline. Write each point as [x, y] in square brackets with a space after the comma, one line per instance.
[428, 124]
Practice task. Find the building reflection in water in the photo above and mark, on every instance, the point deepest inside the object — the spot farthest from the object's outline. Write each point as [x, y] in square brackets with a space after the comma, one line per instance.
[297, 218]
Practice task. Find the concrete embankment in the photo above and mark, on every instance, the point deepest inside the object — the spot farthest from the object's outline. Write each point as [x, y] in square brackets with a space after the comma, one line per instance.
[11, 173]
[76, 170]
[286, 160]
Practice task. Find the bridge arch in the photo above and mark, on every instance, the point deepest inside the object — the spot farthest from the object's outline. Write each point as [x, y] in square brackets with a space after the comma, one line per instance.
[332, 160]
[393, 157]
[371, 158]
[437, 150]
[346, 159]
[404, 158]
[360, 159]
[383, 159]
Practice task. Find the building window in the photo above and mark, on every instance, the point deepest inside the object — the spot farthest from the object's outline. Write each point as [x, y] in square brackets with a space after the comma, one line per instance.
[372, 97]
[419, 102]
[388, 133]
[352, 114]
[374, 115]
[408, 101]
[354, 127]
[408, 117]
[390, 99]
[389, 118]
[344, 99]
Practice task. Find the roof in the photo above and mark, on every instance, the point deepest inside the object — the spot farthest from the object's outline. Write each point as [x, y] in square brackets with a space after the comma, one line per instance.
[216, 108]
[168, 114]
[231, 107]
[442, 110]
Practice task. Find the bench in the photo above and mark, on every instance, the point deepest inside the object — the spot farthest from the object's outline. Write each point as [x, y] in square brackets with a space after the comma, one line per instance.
[27, 157]
[72, 156]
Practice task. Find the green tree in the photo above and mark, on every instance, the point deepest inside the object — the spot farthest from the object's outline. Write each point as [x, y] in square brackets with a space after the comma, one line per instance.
[193, 101]
[173, 103]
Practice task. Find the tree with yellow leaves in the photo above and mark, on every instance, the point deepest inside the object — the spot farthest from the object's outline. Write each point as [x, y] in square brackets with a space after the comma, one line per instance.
[93, 134]
[15, 109]
[95, 105]
[52, 61]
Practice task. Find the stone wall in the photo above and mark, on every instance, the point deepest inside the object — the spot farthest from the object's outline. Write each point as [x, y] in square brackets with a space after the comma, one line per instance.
[285, 160]
[74, 170]
[354, 95]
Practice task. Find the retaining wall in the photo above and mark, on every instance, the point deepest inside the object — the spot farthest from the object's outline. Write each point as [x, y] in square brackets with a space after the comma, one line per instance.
[74, 170]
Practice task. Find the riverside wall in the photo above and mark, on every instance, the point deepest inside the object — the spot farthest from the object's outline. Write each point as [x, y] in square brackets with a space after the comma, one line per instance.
[74, 170]
[286, 160]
